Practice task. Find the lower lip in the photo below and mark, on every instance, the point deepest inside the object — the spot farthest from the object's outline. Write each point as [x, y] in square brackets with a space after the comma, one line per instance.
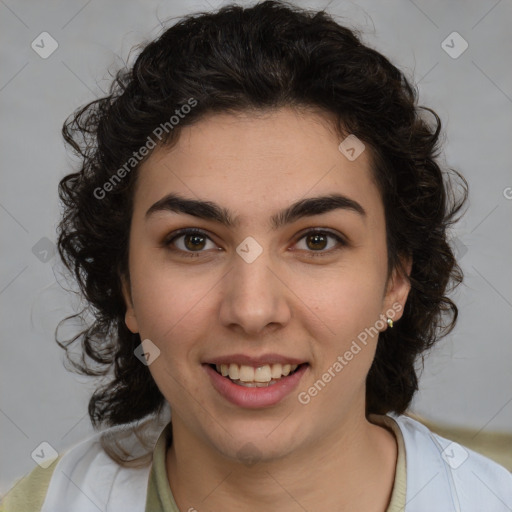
[254, 398]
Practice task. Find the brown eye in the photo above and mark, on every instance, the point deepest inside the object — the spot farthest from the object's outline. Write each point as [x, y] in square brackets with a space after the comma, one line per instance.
[188, 241]
[194, 242]
[318, 241]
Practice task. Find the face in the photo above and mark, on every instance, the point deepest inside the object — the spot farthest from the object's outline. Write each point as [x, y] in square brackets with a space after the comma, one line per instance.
[254, 286]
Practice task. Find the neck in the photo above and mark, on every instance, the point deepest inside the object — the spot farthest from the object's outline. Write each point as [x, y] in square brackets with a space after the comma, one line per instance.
[351, 468]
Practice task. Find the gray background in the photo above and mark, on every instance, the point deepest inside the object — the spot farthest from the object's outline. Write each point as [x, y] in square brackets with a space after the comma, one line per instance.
[468, 377]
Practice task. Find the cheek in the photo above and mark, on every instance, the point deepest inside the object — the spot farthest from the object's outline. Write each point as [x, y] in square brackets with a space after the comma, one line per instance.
[170, 306]
[171, 312]
[346, 299]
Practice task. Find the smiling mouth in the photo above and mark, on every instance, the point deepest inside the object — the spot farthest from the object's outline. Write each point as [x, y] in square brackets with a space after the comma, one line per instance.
[256, 377]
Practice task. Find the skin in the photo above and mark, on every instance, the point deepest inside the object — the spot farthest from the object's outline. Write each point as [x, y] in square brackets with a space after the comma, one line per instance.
[321, 456]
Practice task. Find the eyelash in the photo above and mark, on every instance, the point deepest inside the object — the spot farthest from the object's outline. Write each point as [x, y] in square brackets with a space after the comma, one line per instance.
[194, 231]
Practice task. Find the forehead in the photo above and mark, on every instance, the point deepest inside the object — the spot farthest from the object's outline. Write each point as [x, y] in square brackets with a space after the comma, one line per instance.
[256, 162]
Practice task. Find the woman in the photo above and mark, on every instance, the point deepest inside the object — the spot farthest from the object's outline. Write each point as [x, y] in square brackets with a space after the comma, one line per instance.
[259, 226]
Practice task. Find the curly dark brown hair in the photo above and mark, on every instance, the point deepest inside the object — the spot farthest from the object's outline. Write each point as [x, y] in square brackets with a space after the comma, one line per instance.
[266, 56]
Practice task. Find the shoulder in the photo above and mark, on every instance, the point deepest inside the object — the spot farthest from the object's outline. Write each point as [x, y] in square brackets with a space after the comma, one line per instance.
[28, 493]
[454, 473]
[83, 475]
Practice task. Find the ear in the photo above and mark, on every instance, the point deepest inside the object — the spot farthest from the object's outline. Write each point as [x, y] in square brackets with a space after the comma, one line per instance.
[397, 289]
[129, 318]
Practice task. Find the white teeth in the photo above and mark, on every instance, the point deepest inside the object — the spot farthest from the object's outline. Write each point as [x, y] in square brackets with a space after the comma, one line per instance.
[261, 374]
[234, 371]
[276, 371]
[246, 373]
[255, 384]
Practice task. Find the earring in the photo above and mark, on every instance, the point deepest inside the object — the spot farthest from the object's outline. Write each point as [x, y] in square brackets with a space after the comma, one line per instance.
[390, 323]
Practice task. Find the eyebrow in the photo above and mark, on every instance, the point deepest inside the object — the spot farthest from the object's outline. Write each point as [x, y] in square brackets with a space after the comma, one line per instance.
[211, 211]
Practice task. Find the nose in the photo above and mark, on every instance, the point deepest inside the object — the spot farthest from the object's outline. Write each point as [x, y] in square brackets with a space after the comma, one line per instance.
[254, 298]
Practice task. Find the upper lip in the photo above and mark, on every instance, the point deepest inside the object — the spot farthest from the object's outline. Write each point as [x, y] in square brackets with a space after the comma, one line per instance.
[255, 360]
